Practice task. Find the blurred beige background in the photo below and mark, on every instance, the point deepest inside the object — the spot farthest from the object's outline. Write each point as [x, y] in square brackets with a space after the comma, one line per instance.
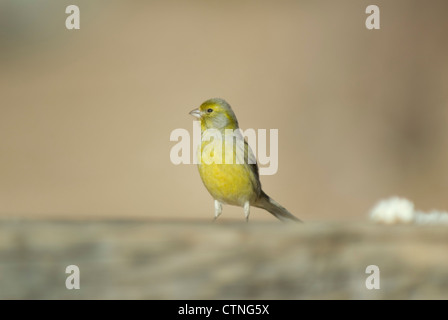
[85, 116]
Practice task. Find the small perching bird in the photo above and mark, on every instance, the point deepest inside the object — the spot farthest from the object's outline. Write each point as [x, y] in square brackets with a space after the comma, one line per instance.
[229, 170]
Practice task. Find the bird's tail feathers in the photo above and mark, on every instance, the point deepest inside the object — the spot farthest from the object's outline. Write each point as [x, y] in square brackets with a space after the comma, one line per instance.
[269, 204]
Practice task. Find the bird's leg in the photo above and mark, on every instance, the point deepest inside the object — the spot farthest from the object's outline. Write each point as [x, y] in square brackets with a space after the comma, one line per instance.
[247, 210]
[218, 209]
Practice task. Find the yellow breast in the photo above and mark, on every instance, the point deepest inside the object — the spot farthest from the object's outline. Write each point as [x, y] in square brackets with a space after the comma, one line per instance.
[229, 183]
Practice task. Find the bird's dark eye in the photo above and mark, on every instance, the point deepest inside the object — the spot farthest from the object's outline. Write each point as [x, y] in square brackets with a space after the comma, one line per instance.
[210, 110]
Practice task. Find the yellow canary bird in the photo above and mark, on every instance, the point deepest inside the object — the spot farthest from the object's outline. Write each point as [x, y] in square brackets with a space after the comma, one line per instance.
[227, 165]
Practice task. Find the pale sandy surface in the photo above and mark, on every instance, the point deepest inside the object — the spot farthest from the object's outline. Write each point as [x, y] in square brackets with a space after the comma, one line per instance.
[228, 260]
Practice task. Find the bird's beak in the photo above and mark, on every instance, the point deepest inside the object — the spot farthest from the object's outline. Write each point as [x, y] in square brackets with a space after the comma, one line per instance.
[196, 113]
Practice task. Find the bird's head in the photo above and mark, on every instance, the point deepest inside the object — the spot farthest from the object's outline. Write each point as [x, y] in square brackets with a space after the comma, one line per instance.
[217, 114]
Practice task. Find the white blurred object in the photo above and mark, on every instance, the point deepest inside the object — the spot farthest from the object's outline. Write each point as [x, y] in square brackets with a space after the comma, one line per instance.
[393, 210]
[397, 210]
[432, 217]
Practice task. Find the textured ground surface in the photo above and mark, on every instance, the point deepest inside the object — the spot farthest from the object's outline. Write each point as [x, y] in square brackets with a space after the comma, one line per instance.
[228, 260]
